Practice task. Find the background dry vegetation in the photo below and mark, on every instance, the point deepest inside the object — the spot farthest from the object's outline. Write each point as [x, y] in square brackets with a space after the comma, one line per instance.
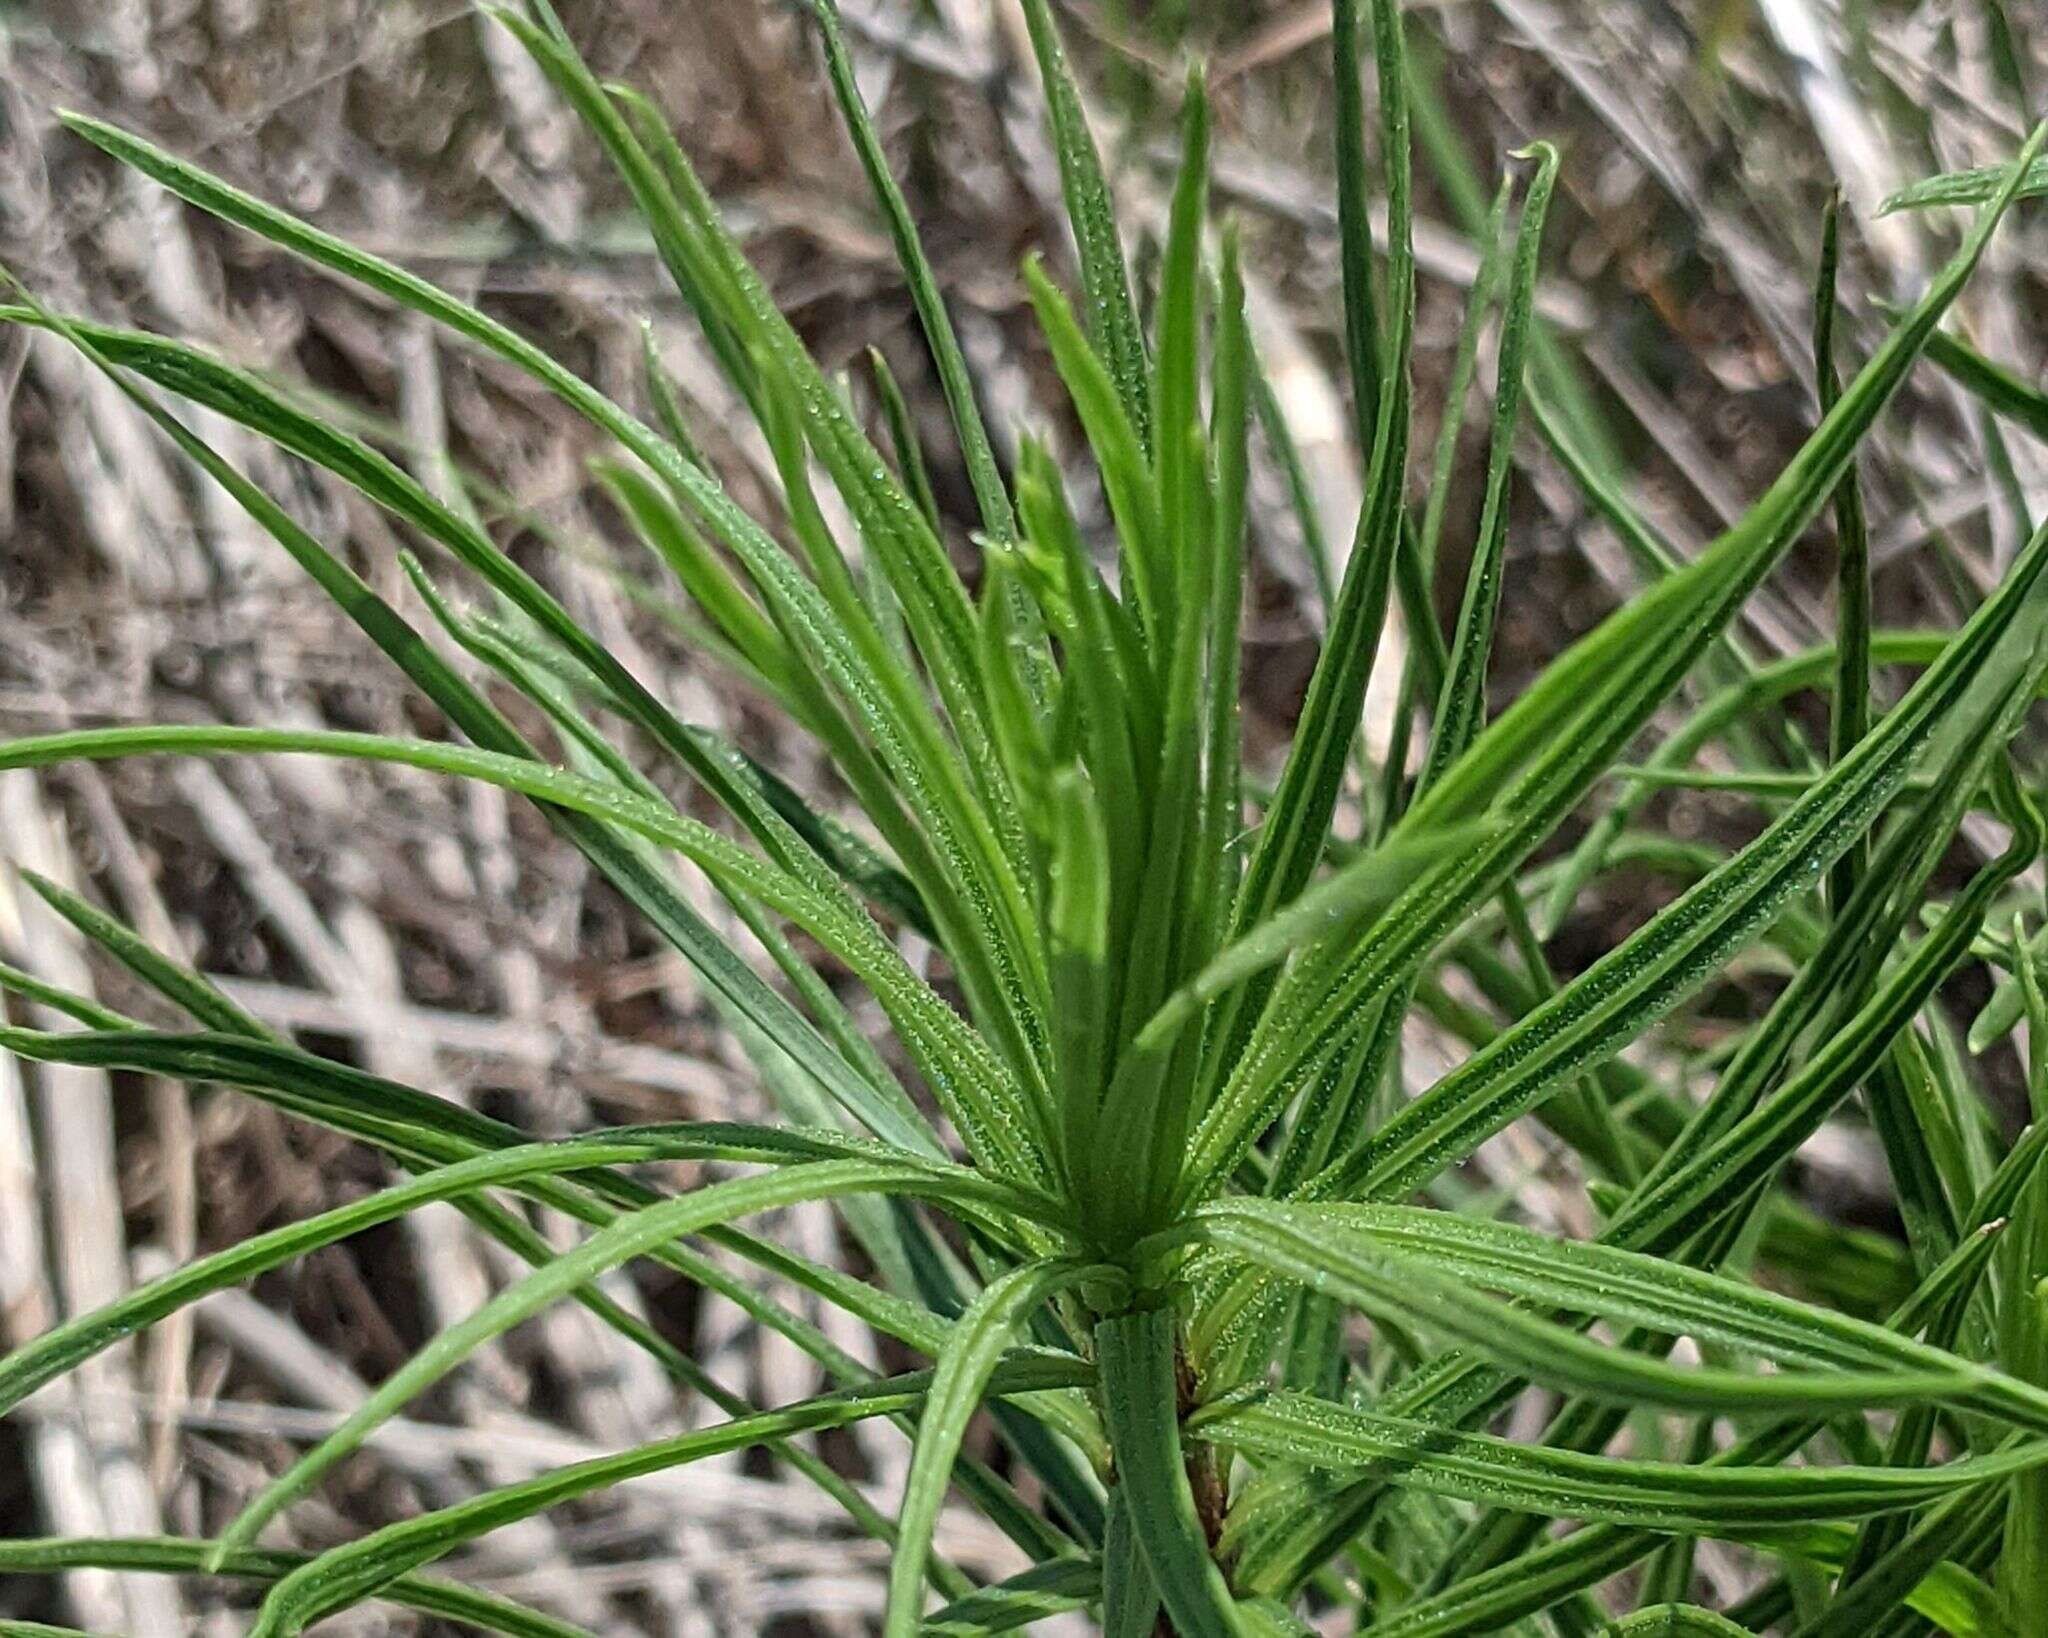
[435, 933]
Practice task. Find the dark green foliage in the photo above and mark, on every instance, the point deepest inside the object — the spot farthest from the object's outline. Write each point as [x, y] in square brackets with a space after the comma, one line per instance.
[1172, 1133]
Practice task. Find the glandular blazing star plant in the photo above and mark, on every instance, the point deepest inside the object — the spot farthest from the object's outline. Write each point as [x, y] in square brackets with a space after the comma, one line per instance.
[1152, 1149]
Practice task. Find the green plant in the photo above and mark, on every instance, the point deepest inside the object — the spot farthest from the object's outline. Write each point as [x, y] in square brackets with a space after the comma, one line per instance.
[1163, 1148]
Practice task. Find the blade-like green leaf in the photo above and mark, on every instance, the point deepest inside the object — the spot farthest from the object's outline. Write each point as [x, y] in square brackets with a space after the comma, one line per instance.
[953, 1055]
[804, 611]
[1849, 704]
[170, 1555]
[2006, 391]
[1700, 1185]
[1966, 188]
[1464, 365]
[1545, 1574]
[1036, 1594]
[982, 472]
[1683, 944]
[957, 1390]
[345, 1575]
[1140, 1398]
[1077, 933]
[1130, 1597]
[1669, 1496]
[629, 1237]
[711, 585]
[641, 885]
[1460, 709]
[1428, 1268]
[63, 1347]
[1178, 457]
[1955, 1600]
[1112, 318]
[903, 439]
[1864, 1604]
[1290, 841]
[1113, 438]
[184, 989]
[1674, 1621]
[1230, 435]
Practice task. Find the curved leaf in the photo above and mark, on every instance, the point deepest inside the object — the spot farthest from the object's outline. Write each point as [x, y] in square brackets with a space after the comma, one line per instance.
[1428, 1268]
[957, 1390]
[630, 1236]
[345, 1575]
[173, 1555]
[1666, 1496]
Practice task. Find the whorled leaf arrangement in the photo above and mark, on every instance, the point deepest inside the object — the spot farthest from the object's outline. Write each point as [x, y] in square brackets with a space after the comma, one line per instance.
[1166, 1148]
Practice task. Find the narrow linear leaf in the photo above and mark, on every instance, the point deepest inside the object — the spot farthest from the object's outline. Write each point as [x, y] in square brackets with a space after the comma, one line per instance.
[1140, 1397]
[957, 1390]
[954, 379]
[1112, 317]
[1971, 187]
[345, 1575]
[180, 1556]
